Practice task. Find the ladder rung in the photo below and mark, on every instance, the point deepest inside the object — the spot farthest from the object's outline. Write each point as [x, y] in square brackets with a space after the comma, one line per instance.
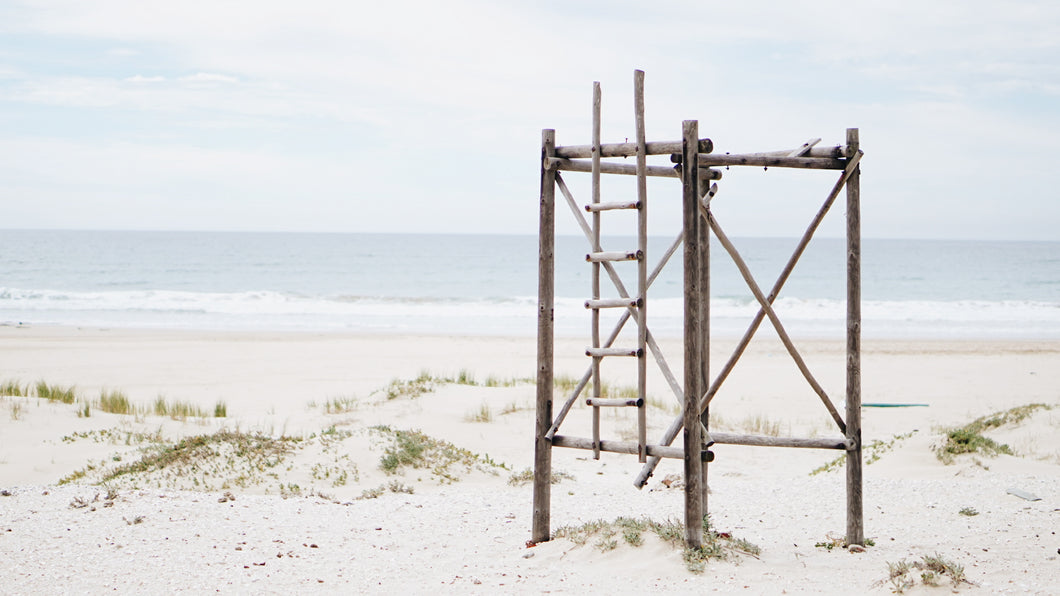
[597, 207]
[613, 303]
[614, 402]
[601, 352]
[599, 257]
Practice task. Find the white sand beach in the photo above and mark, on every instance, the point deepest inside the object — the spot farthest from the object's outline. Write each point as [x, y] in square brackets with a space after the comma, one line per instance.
[316, 513]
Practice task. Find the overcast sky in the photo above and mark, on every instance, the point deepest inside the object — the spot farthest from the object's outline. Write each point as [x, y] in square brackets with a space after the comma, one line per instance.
[391, 116]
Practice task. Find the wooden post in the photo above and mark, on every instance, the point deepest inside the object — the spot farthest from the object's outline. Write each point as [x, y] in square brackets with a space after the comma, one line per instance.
[545, 311]
[642, 264]
[704, 335]
[597, 384]
[855, 519]
[692, 436]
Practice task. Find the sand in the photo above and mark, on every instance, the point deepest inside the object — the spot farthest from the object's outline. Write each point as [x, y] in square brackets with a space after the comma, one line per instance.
[305, 522]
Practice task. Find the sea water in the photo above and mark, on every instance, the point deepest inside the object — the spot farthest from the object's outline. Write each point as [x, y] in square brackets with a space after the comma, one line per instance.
[487, 284]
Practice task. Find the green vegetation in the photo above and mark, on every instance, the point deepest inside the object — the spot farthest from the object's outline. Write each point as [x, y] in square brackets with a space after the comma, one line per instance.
[527, 476]
[413, 449]
[58, 393]
[340, 405]
[970, 439]
[178, 410]
[115, 402]
[483, 414]
[427, 382]
[932, 569]
[112, 401]
[716, 545]
[16, 410]
[14, 389]
[968, 511]
[832, 541]
[199, 462]
[871, 453]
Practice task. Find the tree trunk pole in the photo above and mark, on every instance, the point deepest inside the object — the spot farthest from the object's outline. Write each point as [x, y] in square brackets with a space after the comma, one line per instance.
[541, 530]
[693, 446]
[855, 513]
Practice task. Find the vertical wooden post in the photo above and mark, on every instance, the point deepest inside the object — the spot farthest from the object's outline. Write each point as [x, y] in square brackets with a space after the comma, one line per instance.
[704, 335]
[597, 383]
[855, 520]
[692, 437]
[642, 266]
[545, 306]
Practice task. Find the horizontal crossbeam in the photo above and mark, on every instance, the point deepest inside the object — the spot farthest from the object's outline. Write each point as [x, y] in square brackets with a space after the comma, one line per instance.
[629, 149]
[630, 447]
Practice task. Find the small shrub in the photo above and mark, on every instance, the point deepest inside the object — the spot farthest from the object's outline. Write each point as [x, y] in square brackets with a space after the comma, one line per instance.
[968, 511]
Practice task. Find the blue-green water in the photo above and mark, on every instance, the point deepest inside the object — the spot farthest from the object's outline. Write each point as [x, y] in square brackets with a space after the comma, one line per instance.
[480, 284]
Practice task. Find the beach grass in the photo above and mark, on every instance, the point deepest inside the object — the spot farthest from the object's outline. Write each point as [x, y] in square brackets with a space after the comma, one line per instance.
[631, 531]
[58, 393]
[14, 389]
[416, 450]
[482, 414]
[340, 405]
[970, 438]
[930, 570]
[115, 402]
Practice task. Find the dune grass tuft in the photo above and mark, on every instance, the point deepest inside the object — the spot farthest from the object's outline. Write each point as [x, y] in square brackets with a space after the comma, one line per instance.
[115, 402]
[414, 449]
[14, 389]
[58, 393]
[970, 439]
[716, 545]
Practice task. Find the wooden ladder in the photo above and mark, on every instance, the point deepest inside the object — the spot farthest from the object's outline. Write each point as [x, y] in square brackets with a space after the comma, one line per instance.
[636, 305]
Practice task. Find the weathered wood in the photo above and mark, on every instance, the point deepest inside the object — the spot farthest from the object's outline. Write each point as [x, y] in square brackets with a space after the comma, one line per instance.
[629, 149]
[612, 303]
[614, 402]
[785, 339]
[855, 514]
[678, 422]
[604, 352]
[628, 447]
[611, 206]
[620, 287]
[540, 532]
[765, 441]
[642, 263]
[692, 440]
[615, 255]
[800, 248]
[805, 148]
[704, 336]
[595, 323]
[770, 161]
[625, 169]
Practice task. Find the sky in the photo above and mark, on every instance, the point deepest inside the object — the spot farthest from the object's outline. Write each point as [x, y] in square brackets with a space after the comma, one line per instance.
[426, 117]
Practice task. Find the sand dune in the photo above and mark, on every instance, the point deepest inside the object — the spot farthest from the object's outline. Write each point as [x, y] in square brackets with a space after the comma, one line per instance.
[313, 510]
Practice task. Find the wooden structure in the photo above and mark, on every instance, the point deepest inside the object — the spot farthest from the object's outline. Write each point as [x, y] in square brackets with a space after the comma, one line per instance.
[695, 162]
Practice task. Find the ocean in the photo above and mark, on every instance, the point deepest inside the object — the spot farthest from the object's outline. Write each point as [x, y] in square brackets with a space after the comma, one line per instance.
[487, 284]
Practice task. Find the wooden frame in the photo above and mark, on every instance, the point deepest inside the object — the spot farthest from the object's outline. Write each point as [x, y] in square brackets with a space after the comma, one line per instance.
[695, 161]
